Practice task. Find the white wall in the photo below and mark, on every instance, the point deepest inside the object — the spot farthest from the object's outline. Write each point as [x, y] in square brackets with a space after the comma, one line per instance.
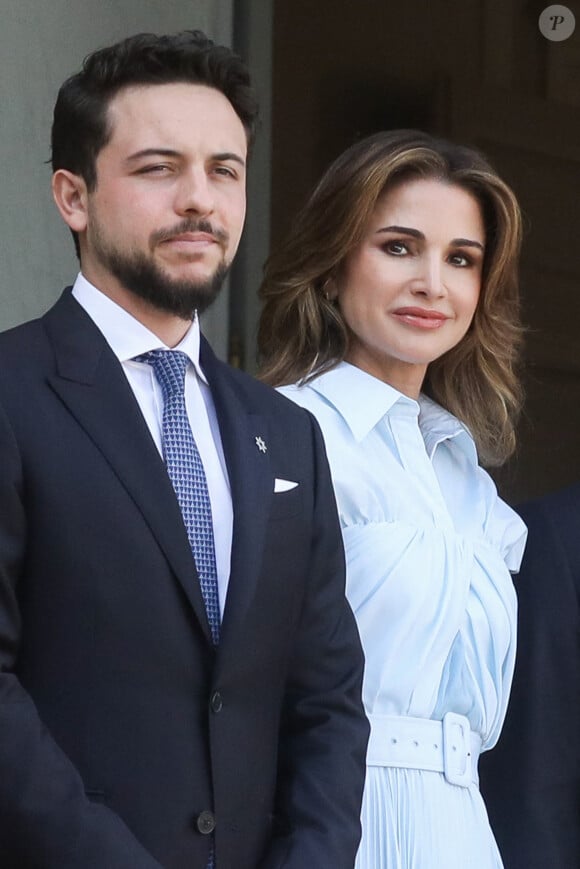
[41, 44]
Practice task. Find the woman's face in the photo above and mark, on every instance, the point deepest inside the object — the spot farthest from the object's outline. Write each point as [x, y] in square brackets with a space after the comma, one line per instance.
[409, 290]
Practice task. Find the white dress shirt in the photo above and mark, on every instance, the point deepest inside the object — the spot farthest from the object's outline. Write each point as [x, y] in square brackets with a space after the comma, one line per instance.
[128, 338]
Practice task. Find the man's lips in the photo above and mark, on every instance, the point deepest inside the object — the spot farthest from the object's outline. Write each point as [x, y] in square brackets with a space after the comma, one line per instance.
[191, 235]
[422, 318]
[196, 238]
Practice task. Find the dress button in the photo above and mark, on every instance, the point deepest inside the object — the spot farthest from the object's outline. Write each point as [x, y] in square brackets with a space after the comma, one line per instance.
[206, 823]
[216, 702]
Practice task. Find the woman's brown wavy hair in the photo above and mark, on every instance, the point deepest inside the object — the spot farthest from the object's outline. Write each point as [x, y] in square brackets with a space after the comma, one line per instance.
[302, 332]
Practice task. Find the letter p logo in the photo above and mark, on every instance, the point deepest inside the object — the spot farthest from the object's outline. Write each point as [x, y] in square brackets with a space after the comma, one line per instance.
[557, 23]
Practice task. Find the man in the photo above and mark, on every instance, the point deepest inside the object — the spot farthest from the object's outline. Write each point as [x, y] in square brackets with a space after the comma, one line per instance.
[531, 780]
[179, 672]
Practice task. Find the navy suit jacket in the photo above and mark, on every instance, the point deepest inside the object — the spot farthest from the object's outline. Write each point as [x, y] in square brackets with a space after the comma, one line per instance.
[531, 780]
[124, 736]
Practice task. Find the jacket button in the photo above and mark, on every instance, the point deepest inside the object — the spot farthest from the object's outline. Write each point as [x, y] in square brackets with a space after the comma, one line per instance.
[206, 823]
[216, 702]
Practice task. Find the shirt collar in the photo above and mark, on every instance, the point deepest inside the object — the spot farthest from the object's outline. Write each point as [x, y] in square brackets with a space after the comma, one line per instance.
[361, 399]
[126, 336]
[438, 425]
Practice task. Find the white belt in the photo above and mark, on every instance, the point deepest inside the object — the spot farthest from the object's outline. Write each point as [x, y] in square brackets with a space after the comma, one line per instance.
[447, 746]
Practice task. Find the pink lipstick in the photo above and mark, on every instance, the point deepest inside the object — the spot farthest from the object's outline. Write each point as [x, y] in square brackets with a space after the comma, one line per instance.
[421, 318]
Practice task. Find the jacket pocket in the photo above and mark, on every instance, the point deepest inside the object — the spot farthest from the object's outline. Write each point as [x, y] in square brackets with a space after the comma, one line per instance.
[286, 504]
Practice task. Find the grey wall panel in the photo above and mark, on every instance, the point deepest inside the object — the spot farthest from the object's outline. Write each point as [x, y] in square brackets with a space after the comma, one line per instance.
[40, 45]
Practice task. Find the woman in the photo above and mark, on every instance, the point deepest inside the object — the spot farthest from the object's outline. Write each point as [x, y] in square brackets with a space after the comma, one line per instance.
[391, 313]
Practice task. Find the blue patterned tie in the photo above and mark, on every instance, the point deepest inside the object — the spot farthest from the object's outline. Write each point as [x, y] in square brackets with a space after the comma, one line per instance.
[187, 475]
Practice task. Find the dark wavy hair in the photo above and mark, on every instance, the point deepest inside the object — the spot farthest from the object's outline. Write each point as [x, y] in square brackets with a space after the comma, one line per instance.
[302, 332]
[81, 127]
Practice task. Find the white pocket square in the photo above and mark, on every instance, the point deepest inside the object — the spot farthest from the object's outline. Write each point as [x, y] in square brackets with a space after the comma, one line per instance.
[283, 485]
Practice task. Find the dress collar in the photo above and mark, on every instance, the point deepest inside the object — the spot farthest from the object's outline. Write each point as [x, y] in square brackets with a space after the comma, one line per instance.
[438, 425]
[363, 401]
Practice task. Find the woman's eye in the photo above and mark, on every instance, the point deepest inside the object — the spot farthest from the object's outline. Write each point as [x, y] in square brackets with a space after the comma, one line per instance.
[460, 260]
[396, 248]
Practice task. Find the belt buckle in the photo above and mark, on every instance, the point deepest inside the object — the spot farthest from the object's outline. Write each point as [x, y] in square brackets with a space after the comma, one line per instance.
[457, 749]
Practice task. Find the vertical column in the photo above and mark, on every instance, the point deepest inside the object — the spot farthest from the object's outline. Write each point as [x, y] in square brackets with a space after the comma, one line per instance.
[253, 40]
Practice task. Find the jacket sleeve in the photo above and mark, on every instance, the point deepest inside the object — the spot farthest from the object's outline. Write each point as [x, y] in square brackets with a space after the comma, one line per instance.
[46, 818]
[531, 780]
[324, 729]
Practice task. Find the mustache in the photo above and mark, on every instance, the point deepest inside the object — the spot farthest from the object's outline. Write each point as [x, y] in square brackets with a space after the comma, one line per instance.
[190, 225]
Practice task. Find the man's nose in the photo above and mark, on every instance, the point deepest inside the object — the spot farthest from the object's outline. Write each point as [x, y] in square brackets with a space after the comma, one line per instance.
[194, 194]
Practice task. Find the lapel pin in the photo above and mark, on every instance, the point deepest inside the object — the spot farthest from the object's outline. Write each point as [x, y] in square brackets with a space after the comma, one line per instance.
[260, 443]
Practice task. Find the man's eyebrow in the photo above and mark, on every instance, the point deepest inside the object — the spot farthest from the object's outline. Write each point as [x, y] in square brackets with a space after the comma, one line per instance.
[415, 233]
[229, 155]
[151, 152]
[170, 152]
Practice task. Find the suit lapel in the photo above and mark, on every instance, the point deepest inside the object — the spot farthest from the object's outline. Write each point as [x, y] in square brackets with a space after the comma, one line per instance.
[251, 482]
[91, 383]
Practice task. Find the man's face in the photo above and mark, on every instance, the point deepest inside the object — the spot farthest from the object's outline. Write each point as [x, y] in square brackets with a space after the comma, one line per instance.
[166, 216]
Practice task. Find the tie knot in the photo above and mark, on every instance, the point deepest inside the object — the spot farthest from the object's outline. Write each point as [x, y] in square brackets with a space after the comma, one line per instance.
[169, 367]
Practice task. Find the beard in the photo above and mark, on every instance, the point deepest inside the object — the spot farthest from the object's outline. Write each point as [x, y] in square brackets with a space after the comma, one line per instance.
[140, 274]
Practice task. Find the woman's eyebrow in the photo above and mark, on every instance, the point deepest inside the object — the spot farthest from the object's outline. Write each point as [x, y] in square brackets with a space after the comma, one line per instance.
[416, 233]
[404, 230]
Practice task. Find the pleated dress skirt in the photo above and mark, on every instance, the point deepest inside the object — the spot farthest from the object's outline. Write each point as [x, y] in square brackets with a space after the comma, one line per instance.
[416, 819]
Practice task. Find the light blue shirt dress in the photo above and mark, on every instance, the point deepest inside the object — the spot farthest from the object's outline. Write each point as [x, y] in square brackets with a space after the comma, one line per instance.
[429, 548]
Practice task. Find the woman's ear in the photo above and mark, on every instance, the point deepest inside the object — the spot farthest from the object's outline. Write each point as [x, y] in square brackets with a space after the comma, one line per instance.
[330, 289]
[70, 194]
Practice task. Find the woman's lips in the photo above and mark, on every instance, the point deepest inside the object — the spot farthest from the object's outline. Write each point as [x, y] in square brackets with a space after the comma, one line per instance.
[422, 318]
